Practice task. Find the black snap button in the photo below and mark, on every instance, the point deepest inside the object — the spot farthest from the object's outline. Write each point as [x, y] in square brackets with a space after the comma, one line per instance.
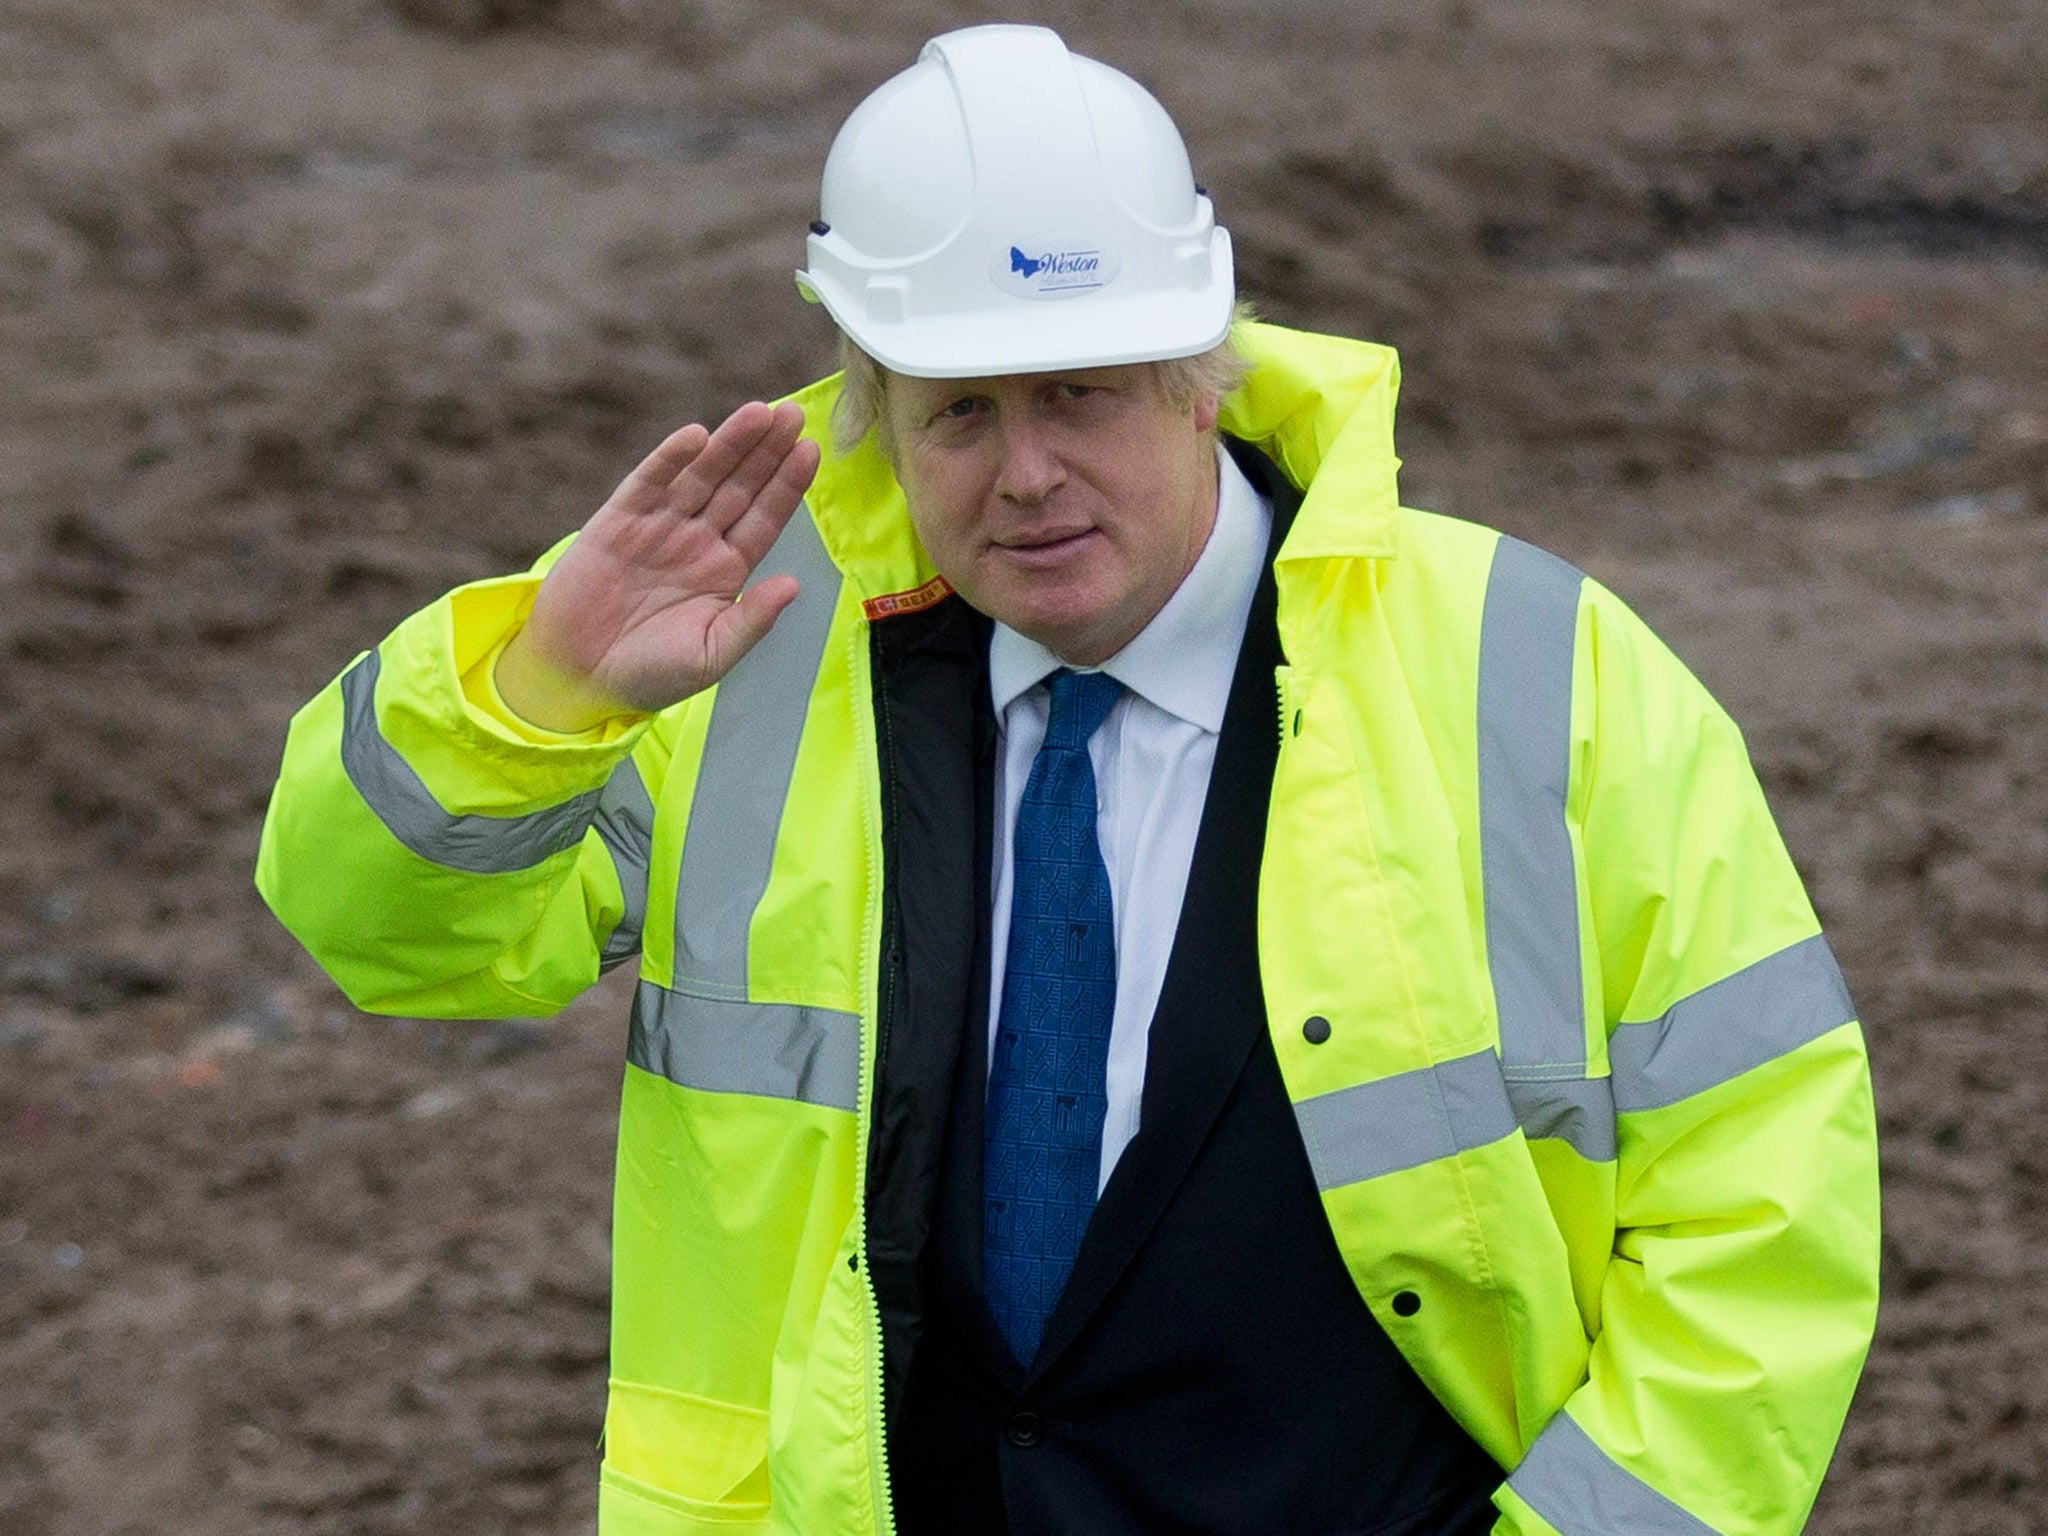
[1406, 1303]
[1024, 1430]
[820, 227]
[1316, 1030]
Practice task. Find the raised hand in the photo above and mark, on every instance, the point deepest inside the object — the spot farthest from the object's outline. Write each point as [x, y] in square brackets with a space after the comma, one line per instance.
[645, 607]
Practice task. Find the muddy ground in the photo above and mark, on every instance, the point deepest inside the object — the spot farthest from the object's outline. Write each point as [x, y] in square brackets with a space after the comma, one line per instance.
[311, 308]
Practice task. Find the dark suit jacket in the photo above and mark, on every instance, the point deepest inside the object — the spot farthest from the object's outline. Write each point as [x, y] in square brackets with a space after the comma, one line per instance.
[1210, 1367]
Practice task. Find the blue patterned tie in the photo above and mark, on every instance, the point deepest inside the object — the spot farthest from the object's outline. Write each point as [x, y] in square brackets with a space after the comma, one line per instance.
[1042, 1127]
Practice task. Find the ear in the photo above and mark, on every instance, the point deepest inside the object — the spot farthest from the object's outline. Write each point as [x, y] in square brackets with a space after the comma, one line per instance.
[1207, 407]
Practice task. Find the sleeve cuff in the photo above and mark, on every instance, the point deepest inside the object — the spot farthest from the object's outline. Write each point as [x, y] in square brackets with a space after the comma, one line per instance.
[439, 708]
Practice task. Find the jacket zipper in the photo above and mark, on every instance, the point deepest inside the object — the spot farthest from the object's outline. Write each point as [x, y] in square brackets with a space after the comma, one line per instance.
[880, 941]
[1292, 686]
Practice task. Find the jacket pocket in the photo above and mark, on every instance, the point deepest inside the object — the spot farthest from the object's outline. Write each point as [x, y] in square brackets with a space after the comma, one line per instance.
[677, 1463]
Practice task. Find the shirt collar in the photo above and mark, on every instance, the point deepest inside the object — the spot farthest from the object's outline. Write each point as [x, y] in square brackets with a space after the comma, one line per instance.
[1184, 659]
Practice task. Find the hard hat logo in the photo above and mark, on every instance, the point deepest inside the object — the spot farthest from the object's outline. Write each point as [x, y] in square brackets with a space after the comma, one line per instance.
[1053, 268]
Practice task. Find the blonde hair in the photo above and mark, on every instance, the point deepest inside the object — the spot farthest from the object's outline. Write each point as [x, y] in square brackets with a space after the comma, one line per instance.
[1181, 379]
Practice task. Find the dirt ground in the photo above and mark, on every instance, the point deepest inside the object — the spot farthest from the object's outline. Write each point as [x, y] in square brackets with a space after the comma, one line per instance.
[311, 308]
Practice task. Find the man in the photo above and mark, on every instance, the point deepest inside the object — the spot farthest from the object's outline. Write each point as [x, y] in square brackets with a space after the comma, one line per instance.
[1059, 1100]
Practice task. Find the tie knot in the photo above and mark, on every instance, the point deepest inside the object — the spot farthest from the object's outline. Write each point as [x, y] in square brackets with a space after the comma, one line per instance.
[1080, 701]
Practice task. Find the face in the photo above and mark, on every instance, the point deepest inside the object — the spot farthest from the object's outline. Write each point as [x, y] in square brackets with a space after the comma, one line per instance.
[1066, 505]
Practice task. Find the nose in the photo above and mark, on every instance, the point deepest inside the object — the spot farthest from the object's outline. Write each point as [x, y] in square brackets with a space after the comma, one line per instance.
[1031, 469]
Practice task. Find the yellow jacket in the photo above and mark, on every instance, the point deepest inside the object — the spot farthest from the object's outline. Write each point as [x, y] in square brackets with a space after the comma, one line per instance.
[1592, 1116]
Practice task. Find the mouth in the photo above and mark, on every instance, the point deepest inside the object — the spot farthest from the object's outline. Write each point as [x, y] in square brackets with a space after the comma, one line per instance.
[1046, 548]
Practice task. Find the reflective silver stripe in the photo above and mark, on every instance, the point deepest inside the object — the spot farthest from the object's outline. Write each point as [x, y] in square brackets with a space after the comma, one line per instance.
[1526, 638]
[1757, 1015]
[777, 1050]
[757, 718]
[479, 845]
[1581, 1490]
[1579, 1111]
[625, 821]
[1404, 1121]
[1525, 717]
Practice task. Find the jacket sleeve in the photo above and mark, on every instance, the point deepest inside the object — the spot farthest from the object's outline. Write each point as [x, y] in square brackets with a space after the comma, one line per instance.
[437, 856]
[1740, 1298]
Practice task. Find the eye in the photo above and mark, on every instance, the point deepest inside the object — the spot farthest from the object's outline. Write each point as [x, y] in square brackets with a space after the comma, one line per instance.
[1075, 391]
[957, 410]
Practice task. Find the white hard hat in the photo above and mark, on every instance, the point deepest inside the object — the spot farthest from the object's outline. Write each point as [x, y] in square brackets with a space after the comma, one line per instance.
[1005, 206]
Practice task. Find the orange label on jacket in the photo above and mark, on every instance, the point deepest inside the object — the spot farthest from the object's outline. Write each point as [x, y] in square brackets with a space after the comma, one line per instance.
[890, 604]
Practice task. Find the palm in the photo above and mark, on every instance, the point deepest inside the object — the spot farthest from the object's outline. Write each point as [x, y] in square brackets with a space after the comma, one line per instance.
[642, 607]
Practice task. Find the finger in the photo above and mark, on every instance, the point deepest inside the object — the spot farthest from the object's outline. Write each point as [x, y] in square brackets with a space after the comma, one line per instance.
[753, 474]
[755, 530]
[645, 487]
[741, 477]
[723, 452]
[740, 627]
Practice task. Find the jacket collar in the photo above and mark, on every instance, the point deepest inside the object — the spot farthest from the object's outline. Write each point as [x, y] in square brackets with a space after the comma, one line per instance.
[1322, 408]
[860, 513]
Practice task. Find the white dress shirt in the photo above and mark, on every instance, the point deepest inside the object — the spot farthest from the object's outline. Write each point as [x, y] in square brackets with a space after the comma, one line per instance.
[1152, 758]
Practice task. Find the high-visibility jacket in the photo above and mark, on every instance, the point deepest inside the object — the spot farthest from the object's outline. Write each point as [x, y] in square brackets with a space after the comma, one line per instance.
[1591, 1115]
